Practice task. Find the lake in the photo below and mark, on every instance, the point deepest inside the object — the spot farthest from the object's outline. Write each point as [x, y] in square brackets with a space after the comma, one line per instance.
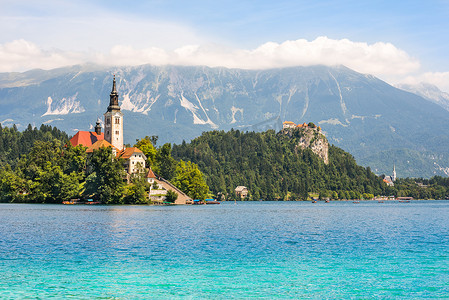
[260, 249]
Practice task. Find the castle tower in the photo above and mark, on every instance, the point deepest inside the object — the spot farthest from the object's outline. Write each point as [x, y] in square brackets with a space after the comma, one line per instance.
[113, 120]
[393, 178]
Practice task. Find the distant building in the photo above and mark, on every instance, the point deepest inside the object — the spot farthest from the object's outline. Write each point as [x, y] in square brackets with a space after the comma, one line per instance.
[288, 124]
[388, 181]
[241, 191]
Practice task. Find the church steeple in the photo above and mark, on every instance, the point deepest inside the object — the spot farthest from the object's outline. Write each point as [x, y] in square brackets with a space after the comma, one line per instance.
[113, 120]
[393, 178]
[113, 98]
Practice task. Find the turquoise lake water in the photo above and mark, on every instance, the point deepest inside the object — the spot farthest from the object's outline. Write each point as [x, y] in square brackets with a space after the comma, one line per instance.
[248, 250]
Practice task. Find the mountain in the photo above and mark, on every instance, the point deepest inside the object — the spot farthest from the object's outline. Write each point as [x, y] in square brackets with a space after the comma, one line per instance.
[428, 91]
[379, 124]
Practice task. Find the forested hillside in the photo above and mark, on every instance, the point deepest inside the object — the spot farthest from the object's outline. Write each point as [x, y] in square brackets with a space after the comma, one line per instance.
[273, 168]
[14, 143]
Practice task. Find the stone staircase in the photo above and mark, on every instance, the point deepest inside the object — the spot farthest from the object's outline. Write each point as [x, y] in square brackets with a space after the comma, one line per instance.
[182, 198]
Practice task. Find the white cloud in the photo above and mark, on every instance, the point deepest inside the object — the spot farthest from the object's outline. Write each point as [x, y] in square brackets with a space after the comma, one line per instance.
[21, 55]
[440, 79]
[383, 60]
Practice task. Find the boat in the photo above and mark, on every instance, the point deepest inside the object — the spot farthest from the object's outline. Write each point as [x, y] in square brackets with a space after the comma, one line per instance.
[404, 201]
[314, 201]
[92, 202]
[72, 202]
[356, 202]
[211, 201]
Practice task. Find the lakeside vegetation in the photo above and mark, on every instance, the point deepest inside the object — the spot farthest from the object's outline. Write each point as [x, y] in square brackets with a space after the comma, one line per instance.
[273, 168]
[39, 165]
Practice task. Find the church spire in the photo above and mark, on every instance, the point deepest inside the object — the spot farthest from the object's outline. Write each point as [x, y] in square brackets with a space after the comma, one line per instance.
[114, 90]
[113, 98]
[113, 120]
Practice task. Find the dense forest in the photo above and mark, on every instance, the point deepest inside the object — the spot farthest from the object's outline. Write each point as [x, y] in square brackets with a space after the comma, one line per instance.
[14, 144]
[41, 166]
[272, 168]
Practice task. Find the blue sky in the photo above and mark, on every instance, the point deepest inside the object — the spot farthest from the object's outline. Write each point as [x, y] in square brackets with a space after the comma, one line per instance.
[398, 41]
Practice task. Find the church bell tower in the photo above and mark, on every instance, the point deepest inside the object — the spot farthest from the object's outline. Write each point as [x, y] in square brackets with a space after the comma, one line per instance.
[113, 120]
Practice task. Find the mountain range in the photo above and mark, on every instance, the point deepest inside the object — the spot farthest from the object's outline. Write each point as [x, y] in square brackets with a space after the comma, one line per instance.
[379, 124]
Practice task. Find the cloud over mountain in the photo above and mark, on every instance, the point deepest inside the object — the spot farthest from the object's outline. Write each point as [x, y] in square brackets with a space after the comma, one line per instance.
[380, 59]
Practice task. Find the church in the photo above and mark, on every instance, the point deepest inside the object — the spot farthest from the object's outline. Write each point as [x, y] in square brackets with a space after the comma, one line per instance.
[112, 137]
[134, 159]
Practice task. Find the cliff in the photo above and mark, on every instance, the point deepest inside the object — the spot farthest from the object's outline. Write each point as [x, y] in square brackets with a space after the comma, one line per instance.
[311, 138]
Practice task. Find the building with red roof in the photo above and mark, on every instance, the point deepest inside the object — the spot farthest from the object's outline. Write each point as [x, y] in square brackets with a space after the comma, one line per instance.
[86, 138]
[134, 160]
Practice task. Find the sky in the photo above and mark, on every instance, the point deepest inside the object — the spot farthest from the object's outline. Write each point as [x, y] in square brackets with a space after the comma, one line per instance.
[397, 41]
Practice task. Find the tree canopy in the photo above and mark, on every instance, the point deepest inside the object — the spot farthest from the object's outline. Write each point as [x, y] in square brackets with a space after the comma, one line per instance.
[272, 167]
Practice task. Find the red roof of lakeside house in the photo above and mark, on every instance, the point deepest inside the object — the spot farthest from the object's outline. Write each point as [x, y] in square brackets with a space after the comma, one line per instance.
[129, 151]
[86, 138]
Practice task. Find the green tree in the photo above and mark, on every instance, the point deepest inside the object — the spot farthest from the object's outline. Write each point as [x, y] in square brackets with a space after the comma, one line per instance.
[190, 180]
[105, 181]
[171, 196]
[334, 195]
[13, 188]
[165, 163]
[146, 145]
[53, 186]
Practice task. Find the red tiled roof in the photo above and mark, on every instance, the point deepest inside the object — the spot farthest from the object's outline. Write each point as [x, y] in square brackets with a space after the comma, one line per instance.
[100, 144]
[129, 151]
[150, 174]
[86, 138]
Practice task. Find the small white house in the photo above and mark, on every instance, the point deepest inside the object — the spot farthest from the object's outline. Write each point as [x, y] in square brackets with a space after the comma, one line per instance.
[134, 160]
[241, 191]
